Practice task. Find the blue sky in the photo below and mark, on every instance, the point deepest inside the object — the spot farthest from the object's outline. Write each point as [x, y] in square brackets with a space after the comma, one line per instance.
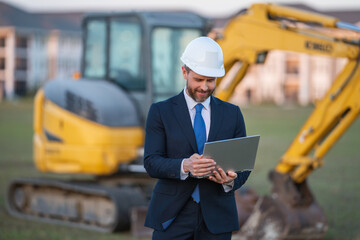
[205, 7]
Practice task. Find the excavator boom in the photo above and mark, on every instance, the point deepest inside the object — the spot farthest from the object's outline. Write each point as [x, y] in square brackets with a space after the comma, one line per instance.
[248, 37]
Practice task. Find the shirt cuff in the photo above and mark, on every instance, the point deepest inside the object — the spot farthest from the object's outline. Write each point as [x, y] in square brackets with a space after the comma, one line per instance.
[184, 175]
[228, 186]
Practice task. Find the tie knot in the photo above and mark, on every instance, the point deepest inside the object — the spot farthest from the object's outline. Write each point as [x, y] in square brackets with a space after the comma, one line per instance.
[199, 107]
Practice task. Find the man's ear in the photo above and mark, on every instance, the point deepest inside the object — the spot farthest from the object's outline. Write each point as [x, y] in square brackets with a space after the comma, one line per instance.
[184, 72]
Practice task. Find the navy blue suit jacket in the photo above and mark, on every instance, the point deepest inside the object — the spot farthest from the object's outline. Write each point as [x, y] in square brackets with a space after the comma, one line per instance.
[169, 139]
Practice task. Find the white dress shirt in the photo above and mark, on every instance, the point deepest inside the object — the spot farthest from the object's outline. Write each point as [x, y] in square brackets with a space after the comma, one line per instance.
[205, 113]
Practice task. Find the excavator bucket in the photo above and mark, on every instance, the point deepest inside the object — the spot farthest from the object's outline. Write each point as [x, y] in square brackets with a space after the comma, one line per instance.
[272, 219]
[291, 212]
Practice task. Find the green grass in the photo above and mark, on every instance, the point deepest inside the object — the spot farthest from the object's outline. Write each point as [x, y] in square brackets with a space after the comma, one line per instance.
[336, 185]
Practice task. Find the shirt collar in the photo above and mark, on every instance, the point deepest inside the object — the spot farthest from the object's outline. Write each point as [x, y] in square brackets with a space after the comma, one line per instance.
[191, 103]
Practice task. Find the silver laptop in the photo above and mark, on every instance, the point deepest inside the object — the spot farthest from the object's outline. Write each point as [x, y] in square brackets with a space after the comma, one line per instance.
[237, 154]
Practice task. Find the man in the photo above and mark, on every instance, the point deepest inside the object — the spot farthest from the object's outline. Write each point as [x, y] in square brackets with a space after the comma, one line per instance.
[184, 206]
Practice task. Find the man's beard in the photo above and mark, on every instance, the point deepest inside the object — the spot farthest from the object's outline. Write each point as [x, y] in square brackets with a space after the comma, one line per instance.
[192, 94]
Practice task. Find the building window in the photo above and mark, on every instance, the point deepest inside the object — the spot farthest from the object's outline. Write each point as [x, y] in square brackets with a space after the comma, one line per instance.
[21, 42]
[249, 94]
[21, 64]
[292, 65]
[2, 89]
[2, 42]
[2, 63]
[20, 88]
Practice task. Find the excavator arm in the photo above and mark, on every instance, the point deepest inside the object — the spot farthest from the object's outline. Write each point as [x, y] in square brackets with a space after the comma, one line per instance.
[292, 211]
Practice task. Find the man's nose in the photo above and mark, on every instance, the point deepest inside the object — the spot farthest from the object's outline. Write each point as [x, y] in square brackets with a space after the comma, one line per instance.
[204, 86]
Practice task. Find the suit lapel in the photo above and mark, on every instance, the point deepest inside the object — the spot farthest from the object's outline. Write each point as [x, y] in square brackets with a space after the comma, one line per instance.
[181, 112]
[216, 118]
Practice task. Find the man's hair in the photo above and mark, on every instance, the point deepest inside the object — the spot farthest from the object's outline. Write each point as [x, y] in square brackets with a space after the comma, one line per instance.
[187, 68]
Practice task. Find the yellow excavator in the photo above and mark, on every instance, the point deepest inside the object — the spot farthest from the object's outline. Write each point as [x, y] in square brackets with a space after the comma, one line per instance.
[291, 211]
[94, 125]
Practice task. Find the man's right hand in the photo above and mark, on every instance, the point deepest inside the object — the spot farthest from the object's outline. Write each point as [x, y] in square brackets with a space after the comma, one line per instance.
[198, 166]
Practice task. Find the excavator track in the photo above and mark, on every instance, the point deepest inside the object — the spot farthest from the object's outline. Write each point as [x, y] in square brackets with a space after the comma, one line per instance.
[77, 204]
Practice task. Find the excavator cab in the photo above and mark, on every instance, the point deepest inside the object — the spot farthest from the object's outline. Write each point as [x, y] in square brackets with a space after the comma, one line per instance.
[139, 52]
[94, 124]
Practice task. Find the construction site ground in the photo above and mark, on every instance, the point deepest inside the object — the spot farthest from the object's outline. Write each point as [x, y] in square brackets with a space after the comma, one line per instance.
[336, 185]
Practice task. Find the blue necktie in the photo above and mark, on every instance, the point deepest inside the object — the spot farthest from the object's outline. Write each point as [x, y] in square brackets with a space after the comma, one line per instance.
[200, 135]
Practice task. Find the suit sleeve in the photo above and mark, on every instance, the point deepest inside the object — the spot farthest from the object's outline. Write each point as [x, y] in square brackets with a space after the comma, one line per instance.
[156, 162]
[240, 132]
[240, 124]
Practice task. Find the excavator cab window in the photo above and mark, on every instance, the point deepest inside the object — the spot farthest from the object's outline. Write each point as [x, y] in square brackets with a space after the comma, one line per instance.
[95, 49]
[113, 51]
[124, 53]
[167, 45]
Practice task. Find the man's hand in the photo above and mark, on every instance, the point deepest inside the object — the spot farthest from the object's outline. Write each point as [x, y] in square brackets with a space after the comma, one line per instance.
[221, 177]
[199, 166]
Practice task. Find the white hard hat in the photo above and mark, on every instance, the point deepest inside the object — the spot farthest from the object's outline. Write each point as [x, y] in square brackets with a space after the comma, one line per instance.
[204, 56]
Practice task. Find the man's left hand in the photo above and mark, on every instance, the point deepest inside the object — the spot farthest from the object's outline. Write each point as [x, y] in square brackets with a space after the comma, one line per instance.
[221, 177]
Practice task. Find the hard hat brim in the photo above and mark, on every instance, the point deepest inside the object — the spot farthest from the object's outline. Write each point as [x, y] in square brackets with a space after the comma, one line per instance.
[208, 72]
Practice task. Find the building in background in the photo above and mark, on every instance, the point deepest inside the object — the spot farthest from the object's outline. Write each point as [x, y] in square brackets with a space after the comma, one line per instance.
[288, 78]
[36, 47]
